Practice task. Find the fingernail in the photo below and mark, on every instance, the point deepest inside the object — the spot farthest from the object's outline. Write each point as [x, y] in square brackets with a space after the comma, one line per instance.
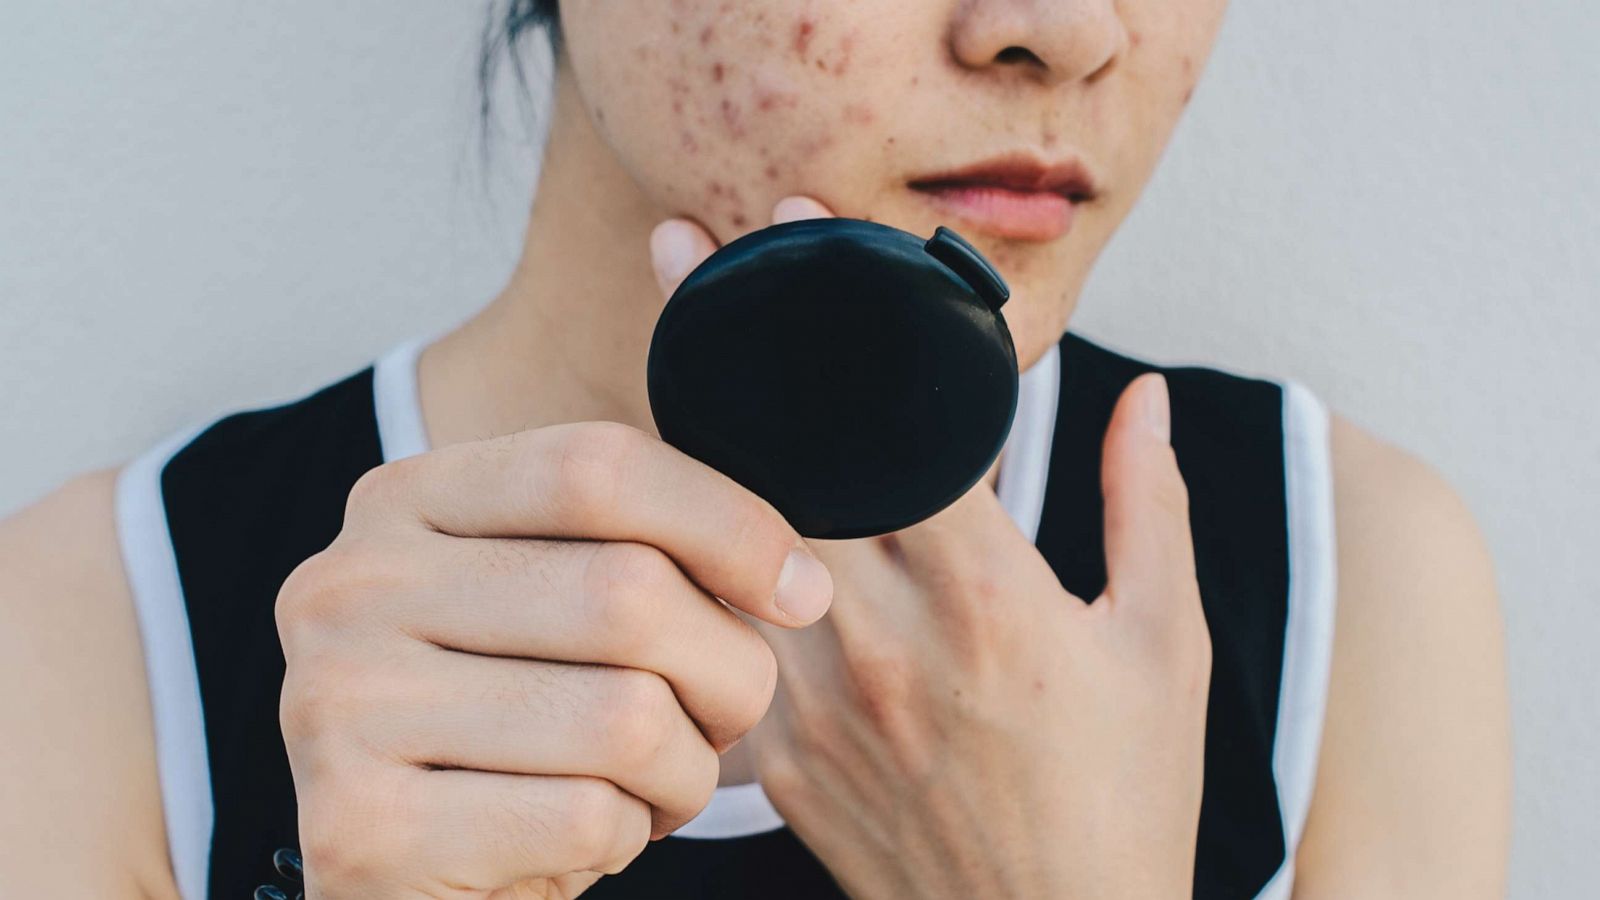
[1158, 409]
[805, 589]
[672, 252]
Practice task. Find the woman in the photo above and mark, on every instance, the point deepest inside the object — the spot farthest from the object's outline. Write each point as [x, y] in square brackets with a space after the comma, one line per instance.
[451, 625]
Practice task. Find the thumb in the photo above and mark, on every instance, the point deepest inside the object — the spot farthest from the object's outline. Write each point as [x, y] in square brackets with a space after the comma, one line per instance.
[1149, 550]
[677, 246]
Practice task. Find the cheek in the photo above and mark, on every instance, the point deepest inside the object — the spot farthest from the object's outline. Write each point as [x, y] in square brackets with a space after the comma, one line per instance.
[745, 103]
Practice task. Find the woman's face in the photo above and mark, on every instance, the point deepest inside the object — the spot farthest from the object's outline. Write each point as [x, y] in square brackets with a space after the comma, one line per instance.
[718, 108]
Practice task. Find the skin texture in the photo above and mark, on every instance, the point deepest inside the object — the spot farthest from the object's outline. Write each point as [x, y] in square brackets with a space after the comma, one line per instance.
[702, 115]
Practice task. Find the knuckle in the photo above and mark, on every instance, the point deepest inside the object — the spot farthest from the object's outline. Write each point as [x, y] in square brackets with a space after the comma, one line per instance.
[326, 584]
[589, 818]
[624, 579]
[590, 458]
[379, 488]
[320, 693]
[635, 721]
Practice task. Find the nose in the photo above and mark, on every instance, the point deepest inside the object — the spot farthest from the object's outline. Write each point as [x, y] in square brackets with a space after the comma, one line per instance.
[1052, 41]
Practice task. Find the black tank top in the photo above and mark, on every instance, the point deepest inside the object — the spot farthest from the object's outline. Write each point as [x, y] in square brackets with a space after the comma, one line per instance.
[213, 519]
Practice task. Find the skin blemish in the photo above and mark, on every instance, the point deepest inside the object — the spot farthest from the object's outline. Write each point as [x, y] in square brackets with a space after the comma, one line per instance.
[716, 188]
[689, 143]
[1133, 39]
[858, 113]
[845, 47]
[1188, 64]
[739, 220]
[731, 117]
[802, 36]
[706, 34]
[677, 106]
[768, 99]
[716, 72]
[772, 172]
[1049, 138]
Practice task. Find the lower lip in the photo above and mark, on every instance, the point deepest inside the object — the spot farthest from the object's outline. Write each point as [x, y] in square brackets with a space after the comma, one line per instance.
[1023, 215]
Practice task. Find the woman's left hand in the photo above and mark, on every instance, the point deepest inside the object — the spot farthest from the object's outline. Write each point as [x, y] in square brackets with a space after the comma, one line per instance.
[959, 725]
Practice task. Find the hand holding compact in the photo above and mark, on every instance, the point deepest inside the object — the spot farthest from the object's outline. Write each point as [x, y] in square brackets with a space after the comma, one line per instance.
[961, 726]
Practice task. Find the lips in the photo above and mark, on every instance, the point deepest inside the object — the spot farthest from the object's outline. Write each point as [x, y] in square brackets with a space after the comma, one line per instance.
[1012, 196]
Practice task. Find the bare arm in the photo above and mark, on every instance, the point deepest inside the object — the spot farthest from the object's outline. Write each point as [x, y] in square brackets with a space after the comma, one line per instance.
[82, 810]
[1413, 790]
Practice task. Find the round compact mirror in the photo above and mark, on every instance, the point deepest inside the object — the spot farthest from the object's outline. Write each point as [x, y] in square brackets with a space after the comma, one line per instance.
[857, 377]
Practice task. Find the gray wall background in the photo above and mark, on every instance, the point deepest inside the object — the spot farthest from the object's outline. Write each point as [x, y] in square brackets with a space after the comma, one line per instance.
[204, 206]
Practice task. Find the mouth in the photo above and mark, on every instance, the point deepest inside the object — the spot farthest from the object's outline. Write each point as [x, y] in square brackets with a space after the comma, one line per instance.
[1017, 195]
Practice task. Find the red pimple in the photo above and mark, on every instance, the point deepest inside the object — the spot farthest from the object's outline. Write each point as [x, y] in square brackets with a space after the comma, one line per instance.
[689, 143]
[772, 172]
[802, 36]
[677, 106]
[705, 35]
[739, 220]
[1134, 38]
[1049, 138]
[716, 72]
[716, 188]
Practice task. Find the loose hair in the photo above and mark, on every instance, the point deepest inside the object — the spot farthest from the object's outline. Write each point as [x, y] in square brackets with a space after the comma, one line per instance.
[507, 23]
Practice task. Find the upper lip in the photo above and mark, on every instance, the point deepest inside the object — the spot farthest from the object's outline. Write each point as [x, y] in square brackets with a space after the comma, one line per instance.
[1019, 171]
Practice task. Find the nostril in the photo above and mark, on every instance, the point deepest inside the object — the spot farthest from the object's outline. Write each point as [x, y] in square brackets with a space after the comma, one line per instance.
[1015, 54]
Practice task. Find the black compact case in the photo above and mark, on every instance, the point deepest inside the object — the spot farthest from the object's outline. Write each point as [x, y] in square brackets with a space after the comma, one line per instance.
[857, 377]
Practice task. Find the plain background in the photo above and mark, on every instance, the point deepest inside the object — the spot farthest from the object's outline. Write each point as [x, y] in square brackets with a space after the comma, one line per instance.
[205, 206]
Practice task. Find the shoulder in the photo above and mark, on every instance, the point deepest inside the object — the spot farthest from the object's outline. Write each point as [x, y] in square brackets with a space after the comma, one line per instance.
[1412, 796]
[83, 810]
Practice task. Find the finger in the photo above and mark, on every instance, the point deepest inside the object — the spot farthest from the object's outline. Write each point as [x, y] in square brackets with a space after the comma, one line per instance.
[459, 711]
[797, 207]
[614, 603]
[606, 481]
[489, 829]
[677, 246]
[1149, 551]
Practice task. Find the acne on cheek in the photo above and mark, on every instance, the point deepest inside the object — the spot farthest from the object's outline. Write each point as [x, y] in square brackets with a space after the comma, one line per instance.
[717, 108]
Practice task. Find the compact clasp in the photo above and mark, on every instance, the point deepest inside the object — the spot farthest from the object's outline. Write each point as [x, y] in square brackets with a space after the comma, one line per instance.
[969, 265]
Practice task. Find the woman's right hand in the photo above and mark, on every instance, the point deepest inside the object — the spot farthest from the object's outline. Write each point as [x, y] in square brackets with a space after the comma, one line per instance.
[511, 669]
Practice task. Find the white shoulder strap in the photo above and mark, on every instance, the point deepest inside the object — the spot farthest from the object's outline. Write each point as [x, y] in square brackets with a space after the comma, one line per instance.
[152, 571]
[1308, 635]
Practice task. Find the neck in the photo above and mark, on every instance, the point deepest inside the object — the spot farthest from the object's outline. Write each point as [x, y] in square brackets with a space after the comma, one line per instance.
[567, 339]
